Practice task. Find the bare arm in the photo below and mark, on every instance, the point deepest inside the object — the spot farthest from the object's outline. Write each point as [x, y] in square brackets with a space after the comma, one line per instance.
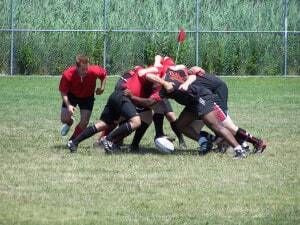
[151, 69]
[157, 80]
[187, 83]
[100, 90]
[178, 67]
[145, 102]
[65, 98]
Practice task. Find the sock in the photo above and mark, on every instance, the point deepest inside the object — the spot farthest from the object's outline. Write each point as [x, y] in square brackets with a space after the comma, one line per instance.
[242, 135]
[177, 132]
[122, 131]
[139, 133]
[77, 131]
[88, 132]
[158, 120]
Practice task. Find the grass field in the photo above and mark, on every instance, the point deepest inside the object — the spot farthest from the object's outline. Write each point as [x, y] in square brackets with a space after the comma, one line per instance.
[42, 183]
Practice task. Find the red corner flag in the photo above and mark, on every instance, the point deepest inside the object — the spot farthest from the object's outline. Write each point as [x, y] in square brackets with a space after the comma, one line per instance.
[181, 35]
[180, 39]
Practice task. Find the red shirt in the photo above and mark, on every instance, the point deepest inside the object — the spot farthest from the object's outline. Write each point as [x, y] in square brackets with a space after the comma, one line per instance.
[135, 83]
[72, 83]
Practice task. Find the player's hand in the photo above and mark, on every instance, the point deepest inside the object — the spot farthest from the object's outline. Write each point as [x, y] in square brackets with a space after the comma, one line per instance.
[168, 86]
[127, 93]
[183, 87]
[99, 91]
[71, 109]
[197, 70]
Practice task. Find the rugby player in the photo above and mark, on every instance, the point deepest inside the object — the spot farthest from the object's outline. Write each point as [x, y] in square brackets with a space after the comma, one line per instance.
[199, 103]
[220, 90]
[119, 105]
[77, 87]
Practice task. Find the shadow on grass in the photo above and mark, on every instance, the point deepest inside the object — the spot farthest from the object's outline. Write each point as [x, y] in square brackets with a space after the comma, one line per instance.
[125, 149]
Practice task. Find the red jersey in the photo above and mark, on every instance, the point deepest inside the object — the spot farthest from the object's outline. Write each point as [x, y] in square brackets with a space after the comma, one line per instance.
[81, 87]
[135, 83]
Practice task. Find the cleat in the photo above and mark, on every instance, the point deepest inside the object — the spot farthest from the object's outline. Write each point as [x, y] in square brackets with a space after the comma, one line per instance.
[204, 146]
[260, 147]
[108, 146]
[72, 147]
[240, 153]
[245, 146]
[64, 130]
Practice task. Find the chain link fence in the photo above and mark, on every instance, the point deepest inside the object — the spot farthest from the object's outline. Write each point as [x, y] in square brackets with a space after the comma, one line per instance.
[234, 37]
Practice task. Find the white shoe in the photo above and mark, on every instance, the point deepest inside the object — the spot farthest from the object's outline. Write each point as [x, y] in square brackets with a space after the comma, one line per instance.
[65, 129]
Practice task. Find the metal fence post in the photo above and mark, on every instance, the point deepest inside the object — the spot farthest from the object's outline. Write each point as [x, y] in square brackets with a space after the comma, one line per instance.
[12, 25]
[197, 32]
[105, 27]
[285, 37]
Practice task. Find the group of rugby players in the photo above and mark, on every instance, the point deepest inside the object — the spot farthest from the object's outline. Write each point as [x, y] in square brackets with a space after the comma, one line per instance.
[141, 95]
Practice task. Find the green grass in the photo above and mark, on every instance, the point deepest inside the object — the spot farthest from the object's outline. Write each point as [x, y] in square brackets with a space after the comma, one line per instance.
[42, 183]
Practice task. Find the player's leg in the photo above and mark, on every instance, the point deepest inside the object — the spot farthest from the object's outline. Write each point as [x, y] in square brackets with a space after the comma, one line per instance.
[213, 123]
[132, 122]
[170, 115]
[66, 118]
[108, 116]
[192, 127]
[242, 135]
[83, 123]
[146, 119]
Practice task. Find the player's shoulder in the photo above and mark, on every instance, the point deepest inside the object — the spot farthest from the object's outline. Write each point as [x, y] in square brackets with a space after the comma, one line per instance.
[68, 73]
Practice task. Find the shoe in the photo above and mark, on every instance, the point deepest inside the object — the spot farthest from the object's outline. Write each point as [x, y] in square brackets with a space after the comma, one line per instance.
[64, 130]
[108, 146]
[240, 153]
[204, 146]
[260, 147]
[72, 147]
[245, 146]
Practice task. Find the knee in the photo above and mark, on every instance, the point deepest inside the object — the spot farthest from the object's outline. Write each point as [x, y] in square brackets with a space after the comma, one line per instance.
[171, 117]
[135, 122]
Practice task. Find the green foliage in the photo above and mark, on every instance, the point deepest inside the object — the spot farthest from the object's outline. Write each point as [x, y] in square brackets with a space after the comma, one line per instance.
[27, 59]
[222, 54]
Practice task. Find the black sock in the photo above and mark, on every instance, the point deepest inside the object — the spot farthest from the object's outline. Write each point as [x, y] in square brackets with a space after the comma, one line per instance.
[158, 120]
[177, 132]
[86, 133]
[139, 133]
[242, 135]
[122, 131]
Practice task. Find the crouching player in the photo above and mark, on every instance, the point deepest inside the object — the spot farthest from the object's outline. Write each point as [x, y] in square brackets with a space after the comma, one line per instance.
[220, 91]
[199, 104]
[77, 87]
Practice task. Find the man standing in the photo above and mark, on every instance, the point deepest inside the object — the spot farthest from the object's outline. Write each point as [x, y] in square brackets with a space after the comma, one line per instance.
[77, 87]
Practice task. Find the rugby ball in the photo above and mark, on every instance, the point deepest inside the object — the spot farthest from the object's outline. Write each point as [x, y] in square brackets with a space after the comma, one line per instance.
[164, 145]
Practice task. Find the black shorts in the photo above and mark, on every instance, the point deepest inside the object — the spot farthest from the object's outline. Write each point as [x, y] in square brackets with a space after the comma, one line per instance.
[86, 103]
[118, 105]
[205, 105]
[163, 107]
[221, 97]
